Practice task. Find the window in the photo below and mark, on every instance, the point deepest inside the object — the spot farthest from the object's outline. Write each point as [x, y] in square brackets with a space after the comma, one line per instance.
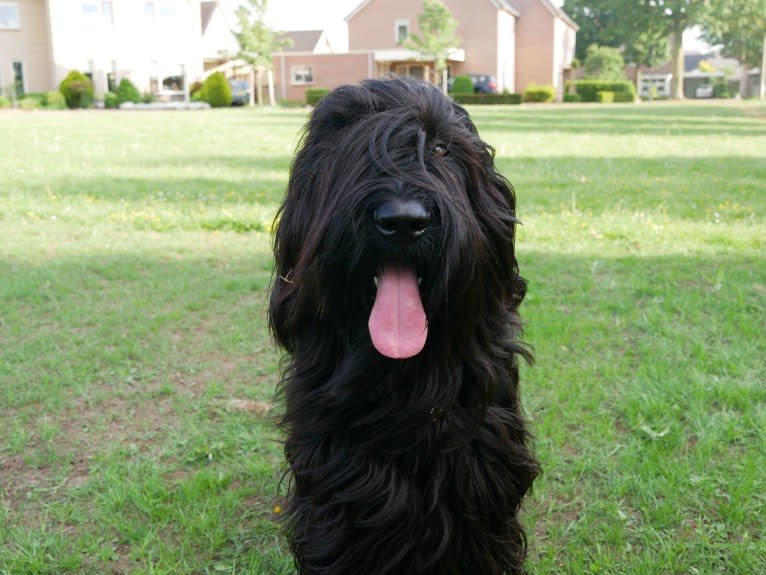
[149, 8]
[95, 8]
[166, 78]
[18, 79]
[302, 75]
[9, 16]
[417, 71]
[401, 30]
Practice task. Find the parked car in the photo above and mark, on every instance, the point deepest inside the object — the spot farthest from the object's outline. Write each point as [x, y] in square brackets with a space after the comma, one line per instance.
[482, 83]
[240, 92]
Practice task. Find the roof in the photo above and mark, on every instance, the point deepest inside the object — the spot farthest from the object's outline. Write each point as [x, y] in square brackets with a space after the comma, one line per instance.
[556, 11]
[302, 40]
[207, 9]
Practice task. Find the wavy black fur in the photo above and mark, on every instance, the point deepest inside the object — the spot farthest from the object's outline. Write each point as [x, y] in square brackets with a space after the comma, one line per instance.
[414, 466]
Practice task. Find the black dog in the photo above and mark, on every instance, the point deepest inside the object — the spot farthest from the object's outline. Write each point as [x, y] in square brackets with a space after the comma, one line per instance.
[396, 296]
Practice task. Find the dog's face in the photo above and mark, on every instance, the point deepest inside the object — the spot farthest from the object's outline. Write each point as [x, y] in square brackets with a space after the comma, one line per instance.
[396, 225]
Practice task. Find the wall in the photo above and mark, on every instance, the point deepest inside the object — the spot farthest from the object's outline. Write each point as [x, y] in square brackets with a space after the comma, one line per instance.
[329, 71]
[28, 45]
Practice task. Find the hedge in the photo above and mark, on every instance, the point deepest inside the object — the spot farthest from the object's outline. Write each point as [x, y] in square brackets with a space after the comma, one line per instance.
[486, 99]
[313, 95]
[535, 93]
[588, 90]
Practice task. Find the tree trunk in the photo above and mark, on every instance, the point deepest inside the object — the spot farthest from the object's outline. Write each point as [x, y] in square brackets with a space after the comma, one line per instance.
[270, 78]
[445, 84]
[259, 87]
[743, 79]
[677, 82]
[251, 78]
[762, 90]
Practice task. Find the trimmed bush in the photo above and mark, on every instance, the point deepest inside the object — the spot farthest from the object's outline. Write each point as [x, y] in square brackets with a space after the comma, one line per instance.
[486, 99]
[605, 97]
[77, 90]
[624, 97]
[462, 85]
[313, 95]
[589, 89]
[55, 101]
[111, 101]
[216, 90]
[571, 98]
[535, 93]
[30, 103]
[127, 92]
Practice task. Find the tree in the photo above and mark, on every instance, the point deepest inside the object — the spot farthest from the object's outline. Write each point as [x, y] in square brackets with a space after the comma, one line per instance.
[601, 22]
[669, 18]
[604, 63]
[437, 36]
[740, 26]
[257, 42]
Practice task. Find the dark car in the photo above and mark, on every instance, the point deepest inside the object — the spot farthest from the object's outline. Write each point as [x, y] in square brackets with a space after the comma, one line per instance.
[240, 92]
[482, 83]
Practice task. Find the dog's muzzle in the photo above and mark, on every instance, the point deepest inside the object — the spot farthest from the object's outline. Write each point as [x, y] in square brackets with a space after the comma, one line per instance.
[402, 221]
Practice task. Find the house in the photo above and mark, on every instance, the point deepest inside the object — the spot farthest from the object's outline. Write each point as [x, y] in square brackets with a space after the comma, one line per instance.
[160, 45]
[519, 42]
[698, 78]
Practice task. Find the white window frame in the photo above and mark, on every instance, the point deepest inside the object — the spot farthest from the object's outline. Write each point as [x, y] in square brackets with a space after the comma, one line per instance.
[98, 12]
[301, 68]
[399, 23]
[159, 71]
[18, 16]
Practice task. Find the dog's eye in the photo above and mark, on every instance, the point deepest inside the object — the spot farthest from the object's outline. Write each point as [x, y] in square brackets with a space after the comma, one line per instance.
[439, 151]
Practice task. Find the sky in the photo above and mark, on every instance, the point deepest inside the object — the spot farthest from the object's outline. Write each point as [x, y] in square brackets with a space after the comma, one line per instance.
[329, 15]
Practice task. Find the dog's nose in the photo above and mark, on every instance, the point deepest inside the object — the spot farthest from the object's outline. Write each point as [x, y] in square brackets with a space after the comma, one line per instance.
[402, 220]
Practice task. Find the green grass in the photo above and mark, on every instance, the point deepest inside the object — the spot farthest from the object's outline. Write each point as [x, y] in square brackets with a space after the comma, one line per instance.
[134, 267]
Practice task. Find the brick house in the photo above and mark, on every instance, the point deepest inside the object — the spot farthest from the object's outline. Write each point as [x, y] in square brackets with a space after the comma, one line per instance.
[519, 42]
[158, 44]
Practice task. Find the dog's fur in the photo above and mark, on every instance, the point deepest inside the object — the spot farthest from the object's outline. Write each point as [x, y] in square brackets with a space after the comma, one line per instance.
[400, 466]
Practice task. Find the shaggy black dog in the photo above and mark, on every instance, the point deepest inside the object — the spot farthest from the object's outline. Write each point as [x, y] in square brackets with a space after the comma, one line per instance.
[396, 295]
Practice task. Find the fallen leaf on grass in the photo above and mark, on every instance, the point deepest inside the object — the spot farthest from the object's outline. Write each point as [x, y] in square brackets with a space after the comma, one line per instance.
[249, 406]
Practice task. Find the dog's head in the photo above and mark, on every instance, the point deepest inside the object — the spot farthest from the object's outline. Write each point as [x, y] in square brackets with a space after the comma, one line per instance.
[396, 225]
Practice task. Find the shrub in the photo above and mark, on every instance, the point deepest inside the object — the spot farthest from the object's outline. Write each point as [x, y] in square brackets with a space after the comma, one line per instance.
[721, 89]
[55, 101]
[111, 101]
[486, 99]
[4, 102]
[571, 98]
[30, 103]
[313, 95]
[535, 93]
[216, 90]
[147, 98]
[77, 90]
[624, 97]
[462, 85]
[127, 92]
[605, 97]
[589, 89]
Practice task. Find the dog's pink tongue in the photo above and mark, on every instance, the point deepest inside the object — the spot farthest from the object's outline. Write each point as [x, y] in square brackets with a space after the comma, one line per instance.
[398, 321]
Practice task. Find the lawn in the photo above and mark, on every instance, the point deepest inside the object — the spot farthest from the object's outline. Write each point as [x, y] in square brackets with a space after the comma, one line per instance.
[137, 375]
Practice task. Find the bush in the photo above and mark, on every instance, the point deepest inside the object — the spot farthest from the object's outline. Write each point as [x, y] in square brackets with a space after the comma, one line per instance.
[589, 89]
[55, 101]
[721, 89]
[216, 90]
[77, 90]
[111, 101]
[535, 93]
[605, 97]
[147, 98]
[462, 85]
[571, 98]
[313, 95]
[4, 102]
[30, 103]
[624, 97]
[486, 99]
[127, 92]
